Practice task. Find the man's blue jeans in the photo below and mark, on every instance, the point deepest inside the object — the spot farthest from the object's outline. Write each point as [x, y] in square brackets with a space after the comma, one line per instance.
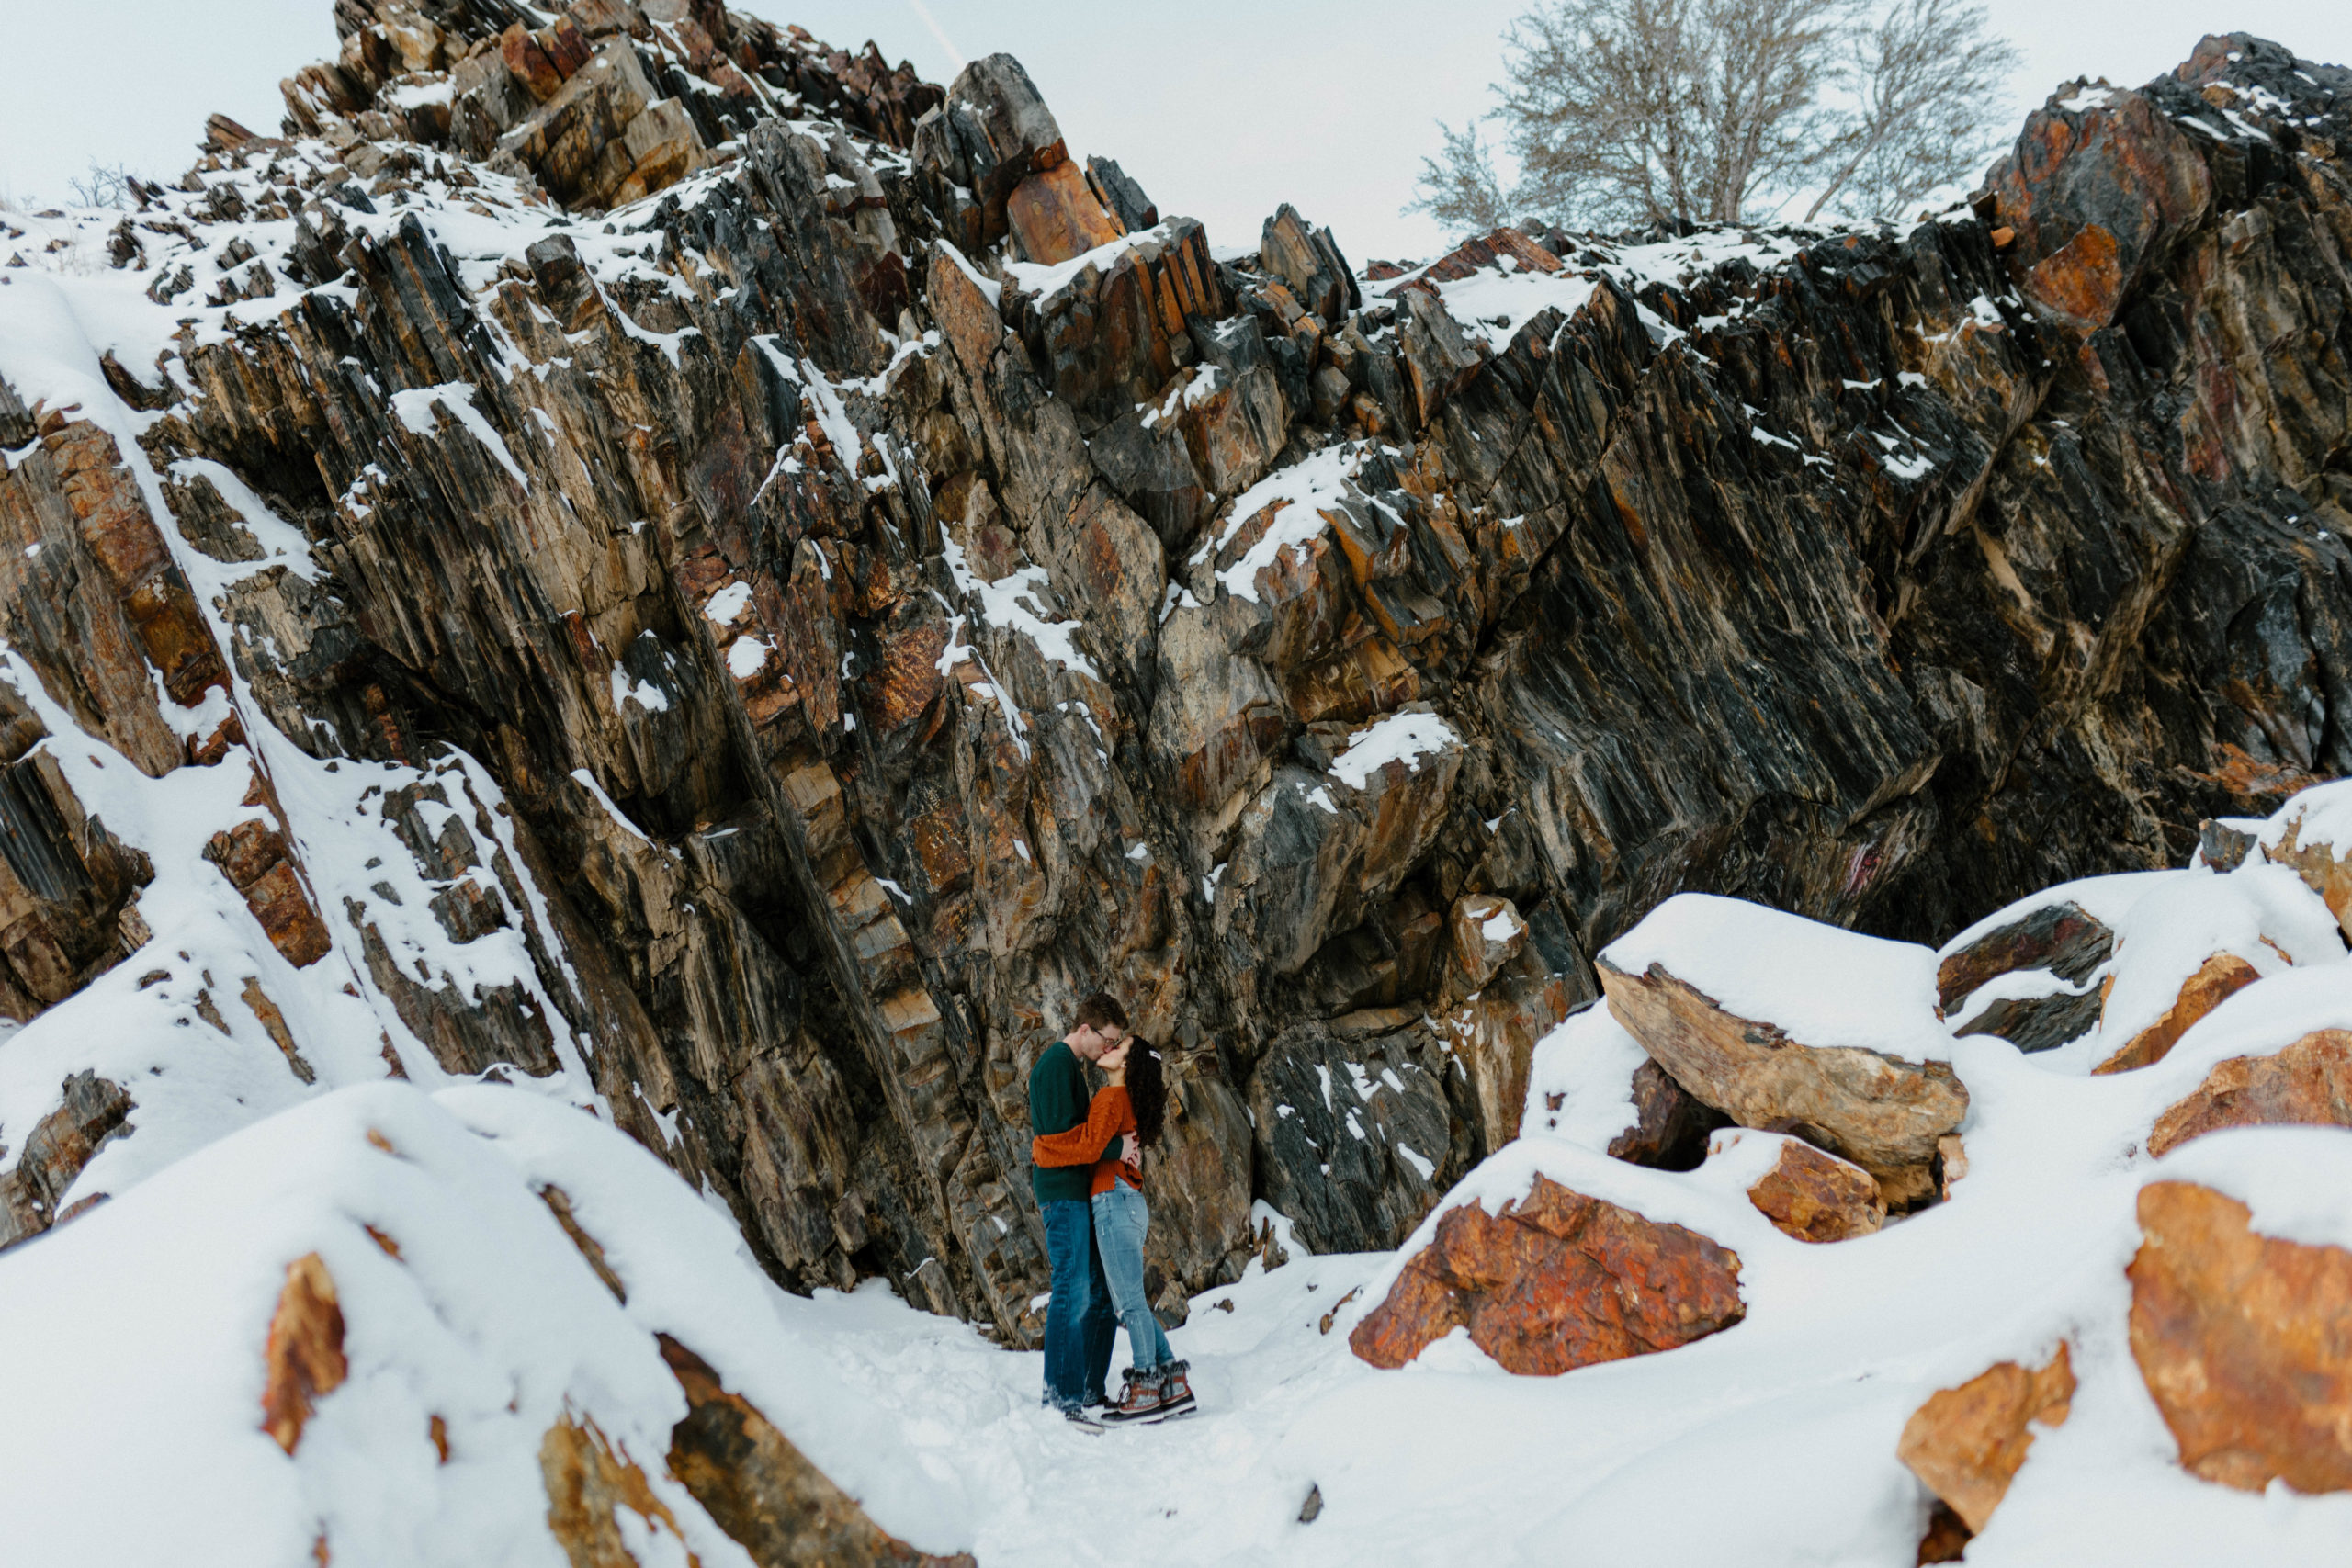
[1121, 1218]
[1079, 1326]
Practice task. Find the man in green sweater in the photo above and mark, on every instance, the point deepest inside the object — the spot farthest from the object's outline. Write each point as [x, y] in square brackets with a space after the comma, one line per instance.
[1080, 1325]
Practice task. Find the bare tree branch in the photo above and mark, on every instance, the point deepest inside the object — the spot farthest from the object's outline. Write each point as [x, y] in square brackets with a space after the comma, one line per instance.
[1459, 187]
[1680, 112]
[1928, 80]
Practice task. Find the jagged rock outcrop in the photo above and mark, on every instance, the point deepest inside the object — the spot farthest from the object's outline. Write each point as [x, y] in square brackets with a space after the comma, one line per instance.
[825, 581]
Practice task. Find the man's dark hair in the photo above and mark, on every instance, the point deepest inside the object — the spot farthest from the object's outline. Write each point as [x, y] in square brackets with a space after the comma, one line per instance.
[1100, 1011]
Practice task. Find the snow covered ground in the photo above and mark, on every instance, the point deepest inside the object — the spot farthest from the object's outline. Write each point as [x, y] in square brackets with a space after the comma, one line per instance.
[136, 1336]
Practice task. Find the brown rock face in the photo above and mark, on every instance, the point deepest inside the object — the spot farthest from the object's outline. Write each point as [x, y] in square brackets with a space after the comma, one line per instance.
[1557, 1280]
[2244, 1341]
[2307, 1084]
[1814, 1197]
[587, 1484]
[1882, 1114]
[91, 1113]
[2215, 980]
[1967, 1443]
[304, 1354]
[855, 828]
[762, 1491]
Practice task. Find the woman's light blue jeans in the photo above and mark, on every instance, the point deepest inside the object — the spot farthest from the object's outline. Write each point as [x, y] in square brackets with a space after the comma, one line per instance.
[1121, 1218]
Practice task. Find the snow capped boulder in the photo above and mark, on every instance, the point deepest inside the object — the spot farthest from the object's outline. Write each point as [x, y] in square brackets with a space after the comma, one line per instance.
[2187, 945]
[1554, 1281]
[1788, 1025]
[2308, 1083]
[1817, 1197]
[2242, 1335]
[389, 1328]
[1967, 1443]
[2310, 836]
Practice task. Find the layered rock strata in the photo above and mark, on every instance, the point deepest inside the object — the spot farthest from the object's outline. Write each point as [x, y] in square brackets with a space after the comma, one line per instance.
[825, 580]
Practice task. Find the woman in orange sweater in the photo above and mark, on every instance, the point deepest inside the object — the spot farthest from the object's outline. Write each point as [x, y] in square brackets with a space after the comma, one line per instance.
[1126, 1119]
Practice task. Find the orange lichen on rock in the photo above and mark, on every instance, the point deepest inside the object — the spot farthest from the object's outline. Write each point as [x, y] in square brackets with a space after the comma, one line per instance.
[1555, 1281]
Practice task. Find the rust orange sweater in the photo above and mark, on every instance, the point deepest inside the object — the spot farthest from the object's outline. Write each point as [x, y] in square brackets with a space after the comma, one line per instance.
[1092, 1141]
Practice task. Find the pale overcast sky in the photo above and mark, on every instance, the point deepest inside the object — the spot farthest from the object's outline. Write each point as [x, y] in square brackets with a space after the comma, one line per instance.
[1222, 108]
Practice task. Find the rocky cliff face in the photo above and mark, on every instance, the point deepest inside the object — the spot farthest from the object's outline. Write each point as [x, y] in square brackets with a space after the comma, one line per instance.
[650, 556]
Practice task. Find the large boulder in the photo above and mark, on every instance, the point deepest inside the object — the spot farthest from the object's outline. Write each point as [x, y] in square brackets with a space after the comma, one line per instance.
[1554, 1281]
[1782, 1051]
[1967, 1443]
[2244, 1341]
[2308, 1083]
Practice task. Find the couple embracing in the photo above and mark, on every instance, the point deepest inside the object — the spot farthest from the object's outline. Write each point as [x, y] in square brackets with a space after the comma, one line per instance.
[1087, 1171]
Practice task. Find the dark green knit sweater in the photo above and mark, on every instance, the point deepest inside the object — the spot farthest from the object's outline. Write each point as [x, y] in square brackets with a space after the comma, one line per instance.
[1056, 1103]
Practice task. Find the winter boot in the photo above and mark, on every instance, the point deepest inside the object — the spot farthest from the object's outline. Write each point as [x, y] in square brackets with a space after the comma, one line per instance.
[1139, 1401]
[1175, 1390]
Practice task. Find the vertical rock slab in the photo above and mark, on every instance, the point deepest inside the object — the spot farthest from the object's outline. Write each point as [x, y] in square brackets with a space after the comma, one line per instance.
[1968, 1443]
[2308, 1083]
[1356, 1139]
[1554, 1281]
[304, 1352]
[2244, 1342]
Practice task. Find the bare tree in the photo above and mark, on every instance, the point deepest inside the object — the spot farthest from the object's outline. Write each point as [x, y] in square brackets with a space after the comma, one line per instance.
[106, 185]
[1459, 186]
[1698, 111]
[1928, 84]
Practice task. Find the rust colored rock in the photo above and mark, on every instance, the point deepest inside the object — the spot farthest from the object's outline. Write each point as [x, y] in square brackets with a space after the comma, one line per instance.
[254, 857]
[1671, 1124]
[304, 1354]
[2244, 1342]
[1882, 1112]
[2307, 1084]
[2215, 980]
[1056, 217]
[1817, 1197]
[762, 1489]
[587, 1485]
[2096, 196]
[2317, 861]
[1967, 1443]
[1555, 1281]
